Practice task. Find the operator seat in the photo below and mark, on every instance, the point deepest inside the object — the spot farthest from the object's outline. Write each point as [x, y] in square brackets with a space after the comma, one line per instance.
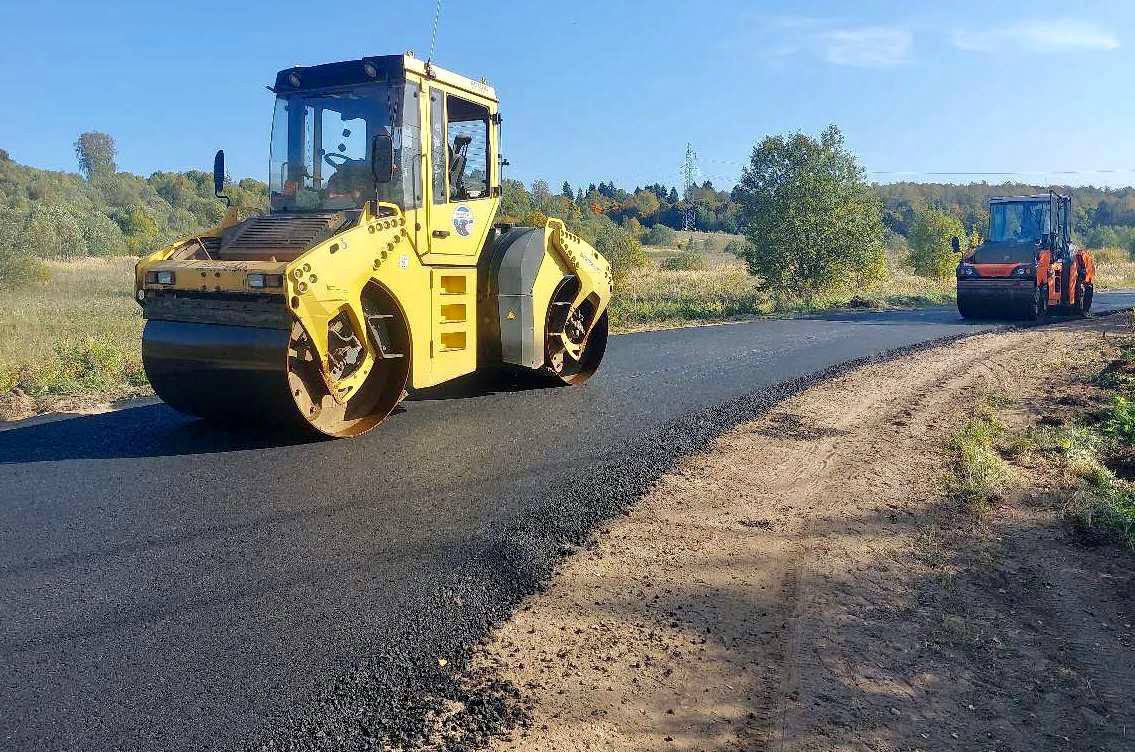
[458, 158]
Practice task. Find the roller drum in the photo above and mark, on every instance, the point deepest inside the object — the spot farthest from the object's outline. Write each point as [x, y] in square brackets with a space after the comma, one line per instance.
[248, 376]
[220, 372]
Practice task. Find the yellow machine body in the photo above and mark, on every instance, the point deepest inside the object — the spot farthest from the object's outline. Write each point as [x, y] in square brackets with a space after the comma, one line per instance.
[409, 290]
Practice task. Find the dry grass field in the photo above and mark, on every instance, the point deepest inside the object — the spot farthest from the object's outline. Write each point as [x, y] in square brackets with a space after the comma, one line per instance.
[72, 340]
[655, 297]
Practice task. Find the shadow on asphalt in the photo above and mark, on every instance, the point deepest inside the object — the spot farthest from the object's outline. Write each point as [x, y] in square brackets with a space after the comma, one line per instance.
[148, 431]
[160, 431]
[485, 384]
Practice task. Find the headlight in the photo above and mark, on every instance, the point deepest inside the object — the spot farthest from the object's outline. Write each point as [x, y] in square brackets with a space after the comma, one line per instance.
[259, 281]
[1023, 271]
[159, 278]
[966, 270]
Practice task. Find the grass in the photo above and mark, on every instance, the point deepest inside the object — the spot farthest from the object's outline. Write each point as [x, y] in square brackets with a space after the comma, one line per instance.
[1094, 499]
[1078, 459]
[656, 296]
[1114, 268]
[75, 336]
[1098, 501]
[982, 474]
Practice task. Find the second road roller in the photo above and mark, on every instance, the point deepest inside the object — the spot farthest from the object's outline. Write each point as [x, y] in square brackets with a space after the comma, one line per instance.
[379, 267]
[1029, 265]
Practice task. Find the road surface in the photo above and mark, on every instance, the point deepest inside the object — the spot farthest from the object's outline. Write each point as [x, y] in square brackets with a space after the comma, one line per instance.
[164, 586]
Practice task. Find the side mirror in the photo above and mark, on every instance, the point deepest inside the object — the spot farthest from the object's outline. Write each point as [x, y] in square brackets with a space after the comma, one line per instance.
[219, 173]
[956, 244]
[382, 158]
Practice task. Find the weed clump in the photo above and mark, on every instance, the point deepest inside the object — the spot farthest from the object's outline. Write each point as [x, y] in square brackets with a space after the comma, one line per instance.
[983, 475]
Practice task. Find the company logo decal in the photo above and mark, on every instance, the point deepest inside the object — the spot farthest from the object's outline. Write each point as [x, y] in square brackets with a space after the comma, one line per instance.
[463, 221]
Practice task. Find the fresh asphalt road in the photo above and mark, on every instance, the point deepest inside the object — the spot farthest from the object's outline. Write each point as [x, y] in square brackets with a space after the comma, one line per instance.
[168, 586]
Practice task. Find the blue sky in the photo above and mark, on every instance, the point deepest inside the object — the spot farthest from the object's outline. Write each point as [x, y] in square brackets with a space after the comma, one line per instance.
[608, 90]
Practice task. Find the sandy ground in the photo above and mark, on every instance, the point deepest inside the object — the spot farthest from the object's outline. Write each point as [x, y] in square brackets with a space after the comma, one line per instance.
[806, 586]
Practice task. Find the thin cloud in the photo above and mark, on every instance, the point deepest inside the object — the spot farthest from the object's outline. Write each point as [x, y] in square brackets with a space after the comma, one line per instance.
[1057, 36]
[825, 38]
[868, 47]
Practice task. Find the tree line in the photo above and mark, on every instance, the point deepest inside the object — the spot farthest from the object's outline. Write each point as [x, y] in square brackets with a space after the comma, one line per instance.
[101, 211]
[810, 220]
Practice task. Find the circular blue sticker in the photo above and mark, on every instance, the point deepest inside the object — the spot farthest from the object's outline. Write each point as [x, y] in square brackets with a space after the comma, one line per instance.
[463, 221]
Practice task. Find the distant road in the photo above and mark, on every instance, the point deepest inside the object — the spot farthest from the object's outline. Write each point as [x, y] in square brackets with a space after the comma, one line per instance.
[166, 586]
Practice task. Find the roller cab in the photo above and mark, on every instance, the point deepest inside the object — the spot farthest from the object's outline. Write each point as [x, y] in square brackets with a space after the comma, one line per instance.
[379, 267]
[1028, 266]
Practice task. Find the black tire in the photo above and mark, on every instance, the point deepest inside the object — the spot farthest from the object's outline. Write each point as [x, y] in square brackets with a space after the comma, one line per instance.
[968, 308]
[1038, 308]
[964, 309]
[1084, 294]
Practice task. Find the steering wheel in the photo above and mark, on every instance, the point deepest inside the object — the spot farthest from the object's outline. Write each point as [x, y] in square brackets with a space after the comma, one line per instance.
[327, 158]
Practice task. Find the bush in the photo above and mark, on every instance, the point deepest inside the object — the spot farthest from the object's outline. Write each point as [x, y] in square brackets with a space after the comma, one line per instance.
[634, 228]
[18, 270]
[46, 231]
[739, 247]
[102, 236]
[660, 235]
[687, 260]
[931, 252]
[620, 249]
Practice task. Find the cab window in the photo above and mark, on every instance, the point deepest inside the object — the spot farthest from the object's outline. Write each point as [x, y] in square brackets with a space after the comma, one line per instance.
[467, 128]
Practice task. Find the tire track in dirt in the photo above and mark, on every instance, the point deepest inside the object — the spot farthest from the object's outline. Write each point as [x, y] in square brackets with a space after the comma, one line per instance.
[919, 396]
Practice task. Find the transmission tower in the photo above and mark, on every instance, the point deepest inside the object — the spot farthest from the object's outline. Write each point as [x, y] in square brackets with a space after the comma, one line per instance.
[689, 182]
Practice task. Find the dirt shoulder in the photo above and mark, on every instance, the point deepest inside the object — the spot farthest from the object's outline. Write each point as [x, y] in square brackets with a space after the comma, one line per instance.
[810, 585]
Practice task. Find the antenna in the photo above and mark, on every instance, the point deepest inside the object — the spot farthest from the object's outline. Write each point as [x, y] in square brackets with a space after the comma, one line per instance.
[689, 173]
[433, 35]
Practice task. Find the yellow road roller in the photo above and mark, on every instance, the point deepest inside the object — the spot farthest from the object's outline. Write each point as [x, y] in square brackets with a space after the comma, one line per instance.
[379, 267]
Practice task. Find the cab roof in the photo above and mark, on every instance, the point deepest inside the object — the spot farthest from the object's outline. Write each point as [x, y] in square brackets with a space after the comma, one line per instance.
[1034, 197]
[374, 69]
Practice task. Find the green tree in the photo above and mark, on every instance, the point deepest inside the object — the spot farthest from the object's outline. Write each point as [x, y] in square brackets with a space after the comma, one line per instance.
[540, 191]
[102, 236]
[931, 253]
[138, 227]
[516, 204]
[814, 225]
[18, 266]
[96, 153]
[644, 204]
[567, 192]
[634, 228]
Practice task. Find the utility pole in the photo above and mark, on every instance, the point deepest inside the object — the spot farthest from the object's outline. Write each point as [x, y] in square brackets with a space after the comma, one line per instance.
[689, 182]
